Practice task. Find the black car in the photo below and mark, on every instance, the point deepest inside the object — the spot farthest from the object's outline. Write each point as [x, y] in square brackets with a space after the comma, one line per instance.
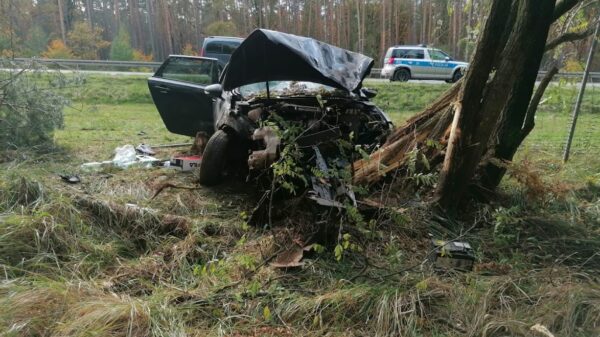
[220, 47]
[273, 83]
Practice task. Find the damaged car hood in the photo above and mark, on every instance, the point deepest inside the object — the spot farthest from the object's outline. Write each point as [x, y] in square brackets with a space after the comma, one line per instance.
[267, 55]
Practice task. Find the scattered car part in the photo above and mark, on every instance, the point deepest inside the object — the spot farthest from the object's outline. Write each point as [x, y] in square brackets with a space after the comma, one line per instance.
[261, 159]
[452, 255]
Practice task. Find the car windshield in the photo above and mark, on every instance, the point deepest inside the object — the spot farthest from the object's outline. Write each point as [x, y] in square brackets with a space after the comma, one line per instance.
[289, 88]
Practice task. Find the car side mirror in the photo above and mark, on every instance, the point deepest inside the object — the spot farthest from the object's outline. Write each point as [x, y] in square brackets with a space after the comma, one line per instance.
[447, 58]
[369, 93]
[214, 90]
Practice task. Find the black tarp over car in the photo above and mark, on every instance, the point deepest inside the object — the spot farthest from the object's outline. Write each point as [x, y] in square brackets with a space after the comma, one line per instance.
[267, 55]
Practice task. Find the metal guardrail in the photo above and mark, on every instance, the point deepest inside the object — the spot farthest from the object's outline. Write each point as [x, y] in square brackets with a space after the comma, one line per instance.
[78, 64]
[91, 63]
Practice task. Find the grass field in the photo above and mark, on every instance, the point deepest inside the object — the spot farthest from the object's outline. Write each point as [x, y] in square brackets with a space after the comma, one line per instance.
[104, 258]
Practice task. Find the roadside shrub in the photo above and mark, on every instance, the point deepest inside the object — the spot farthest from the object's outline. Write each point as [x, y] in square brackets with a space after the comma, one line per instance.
[30, 106]
[120, 49]
[57, 49]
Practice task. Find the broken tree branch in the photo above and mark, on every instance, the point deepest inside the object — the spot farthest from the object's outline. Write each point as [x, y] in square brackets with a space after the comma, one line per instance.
[569, 37]
[137, 219]
[535, 101]
[431, 124]
[169, 185]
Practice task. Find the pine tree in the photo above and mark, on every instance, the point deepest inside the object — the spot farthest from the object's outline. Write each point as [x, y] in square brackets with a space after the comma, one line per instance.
[120, 49]
[86, 42]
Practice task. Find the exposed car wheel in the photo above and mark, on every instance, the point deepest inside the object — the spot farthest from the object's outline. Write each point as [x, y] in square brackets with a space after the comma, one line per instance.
[456, 76]
[214, 159]
[402, 75]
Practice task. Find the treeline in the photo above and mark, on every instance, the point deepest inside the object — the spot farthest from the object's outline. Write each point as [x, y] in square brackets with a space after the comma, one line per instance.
[153, 29]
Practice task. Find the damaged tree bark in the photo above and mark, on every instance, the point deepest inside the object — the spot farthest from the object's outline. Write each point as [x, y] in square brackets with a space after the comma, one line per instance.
[478, 109]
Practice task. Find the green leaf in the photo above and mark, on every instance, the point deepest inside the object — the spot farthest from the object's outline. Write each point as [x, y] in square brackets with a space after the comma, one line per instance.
[338, 251]
[267, 313]
[319, 249]
[422, 286]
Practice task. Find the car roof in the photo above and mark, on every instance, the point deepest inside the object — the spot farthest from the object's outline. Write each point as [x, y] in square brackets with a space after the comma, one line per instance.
[234, 38]
[411, 47]
[194, 57]
[415, 47]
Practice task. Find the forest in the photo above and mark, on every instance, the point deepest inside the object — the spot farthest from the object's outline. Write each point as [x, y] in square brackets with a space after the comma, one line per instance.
[151, 29]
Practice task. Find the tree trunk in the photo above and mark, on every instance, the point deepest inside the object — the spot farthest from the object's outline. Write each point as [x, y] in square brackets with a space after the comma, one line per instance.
[475, 117]
[509, 135]
[382, 41]
[150, 16]
[61, 17]
[117, 16]
[88, 12]
[413, 21]
[166, 14]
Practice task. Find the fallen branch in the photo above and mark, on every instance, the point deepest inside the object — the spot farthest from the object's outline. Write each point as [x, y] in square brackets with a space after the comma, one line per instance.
[135, 217]
[169, 185]
[431, 124]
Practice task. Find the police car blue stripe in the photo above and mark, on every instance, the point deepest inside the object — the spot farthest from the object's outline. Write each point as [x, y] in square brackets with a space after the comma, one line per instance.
[426, 63]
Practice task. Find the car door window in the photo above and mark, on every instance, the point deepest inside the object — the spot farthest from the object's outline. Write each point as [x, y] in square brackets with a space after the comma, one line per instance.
[193, 70]
[230, 46]
[400, 53]
[437, 55]
[415, 54]
[213, 47]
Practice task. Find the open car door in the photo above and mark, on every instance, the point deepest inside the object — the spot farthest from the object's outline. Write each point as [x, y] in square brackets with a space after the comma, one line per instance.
[177, 89]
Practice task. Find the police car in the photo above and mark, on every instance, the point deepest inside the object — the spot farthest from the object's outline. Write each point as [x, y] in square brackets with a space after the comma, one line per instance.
[403, 63]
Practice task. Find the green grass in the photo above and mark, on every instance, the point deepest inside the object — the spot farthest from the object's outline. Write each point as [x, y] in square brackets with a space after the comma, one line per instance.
[77, 262]
[92, 132]
[109, 89]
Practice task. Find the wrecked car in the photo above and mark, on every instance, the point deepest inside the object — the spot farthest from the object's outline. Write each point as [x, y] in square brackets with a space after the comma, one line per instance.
[277, 90]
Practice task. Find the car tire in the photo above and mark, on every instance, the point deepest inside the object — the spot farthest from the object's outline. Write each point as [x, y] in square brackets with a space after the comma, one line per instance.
[456, 76]
[214, 159]
[402, 75]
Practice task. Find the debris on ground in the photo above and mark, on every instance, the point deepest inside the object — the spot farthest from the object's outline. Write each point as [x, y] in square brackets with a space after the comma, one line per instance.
[452, 255]
[185, 163]
[541, 330]
[145, 149]
[289, 258]
[133, 214]
[71, 179]
[125, 156]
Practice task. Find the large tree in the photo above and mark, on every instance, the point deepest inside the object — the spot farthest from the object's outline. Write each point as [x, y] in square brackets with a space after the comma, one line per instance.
[483, 119]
